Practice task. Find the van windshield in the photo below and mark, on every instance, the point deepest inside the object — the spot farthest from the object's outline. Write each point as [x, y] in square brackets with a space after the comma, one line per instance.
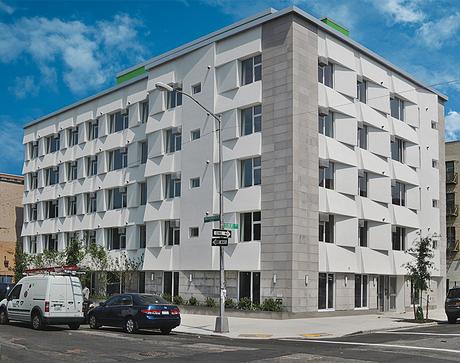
[454, 294]
[152, 299]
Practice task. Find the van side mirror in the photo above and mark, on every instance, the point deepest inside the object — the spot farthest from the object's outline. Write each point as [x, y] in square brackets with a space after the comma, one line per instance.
[102, 303]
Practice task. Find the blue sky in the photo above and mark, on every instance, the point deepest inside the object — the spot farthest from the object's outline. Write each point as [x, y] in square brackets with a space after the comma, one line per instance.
[53, 53]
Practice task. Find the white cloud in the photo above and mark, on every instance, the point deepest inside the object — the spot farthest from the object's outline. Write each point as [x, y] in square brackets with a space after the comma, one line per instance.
[11, 134]
[436, 33]
[88, 55]
[24, 86]
[452, 125]
[6, 8]
[401, 11]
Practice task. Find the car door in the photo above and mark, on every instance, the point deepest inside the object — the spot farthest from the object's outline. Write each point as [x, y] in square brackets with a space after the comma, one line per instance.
[14, 303]
[111, 309]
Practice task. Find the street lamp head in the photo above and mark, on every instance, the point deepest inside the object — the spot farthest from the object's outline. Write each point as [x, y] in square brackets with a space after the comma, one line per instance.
[163, 87]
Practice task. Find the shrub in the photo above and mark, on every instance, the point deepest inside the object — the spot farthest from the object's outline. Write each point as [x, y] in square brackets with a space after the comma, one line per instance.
[167, 297]
[210, 302]
[193, 301]
[245, 304]
[178, 300]
[230, 304]
[272, 305]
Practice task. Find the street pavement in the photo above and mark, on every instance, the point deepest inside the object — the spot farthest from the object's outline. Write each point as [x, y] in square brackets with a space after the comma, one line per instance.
[19, 343]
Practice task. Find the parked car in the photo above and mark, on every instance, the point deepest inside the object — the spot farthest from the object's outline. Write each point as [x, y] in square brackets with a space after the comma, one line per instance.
[136, 311]
[452, 305]
[44, 299]
[5, 288]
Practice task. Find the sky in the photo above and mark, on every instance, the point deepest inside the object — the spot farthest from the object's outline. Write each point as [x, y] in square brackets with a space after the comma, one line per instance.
[54, 53]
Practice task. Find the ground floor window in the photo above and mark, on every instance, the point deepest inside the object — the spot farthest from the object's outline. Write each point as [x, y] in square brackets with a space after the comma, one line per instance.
[361, 291]
[326, 291]
[250, 286]
[171, 283]
[141, 282]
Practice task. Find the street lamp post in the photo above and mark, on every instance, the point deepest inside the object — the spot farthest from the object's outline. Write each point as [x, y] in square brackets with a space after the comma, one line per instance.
[221, 321]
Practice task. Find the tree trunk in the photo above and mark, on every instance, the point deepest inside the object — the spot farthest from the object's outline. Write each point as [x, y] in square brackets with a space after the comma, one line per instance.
[427, 304]
[413, 300]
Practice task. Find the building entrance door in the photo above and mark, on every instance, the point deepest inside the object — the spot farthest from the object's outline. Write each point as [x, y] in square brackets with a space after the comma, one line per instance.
[386, 293]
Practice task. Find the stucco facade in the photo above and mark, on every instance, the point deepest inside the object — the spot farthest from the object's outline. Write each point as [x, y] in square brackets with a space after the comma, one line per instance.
[319, 136]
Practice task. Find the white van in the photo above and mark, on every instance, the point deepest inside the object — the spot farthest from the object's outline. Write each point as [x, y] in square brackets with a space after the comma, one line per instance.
[44, 299]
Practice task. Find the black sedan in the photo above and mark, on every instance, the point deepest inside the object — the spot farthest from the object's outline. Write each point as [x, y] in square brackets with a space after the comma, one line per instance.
[136, 311]
[452, 305]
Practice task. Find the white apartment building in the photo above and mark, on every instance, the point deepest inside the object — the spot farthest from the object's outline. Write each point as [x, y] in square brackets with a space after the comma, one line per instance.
[333, 160]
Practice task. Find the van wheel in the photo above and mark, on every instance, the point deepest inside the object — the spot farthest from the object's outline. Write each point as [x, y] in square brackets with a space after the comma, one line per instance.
[37, 322]
[93, 324]
[165, 331]
[74, 326]
[130, 326]
[3, 317]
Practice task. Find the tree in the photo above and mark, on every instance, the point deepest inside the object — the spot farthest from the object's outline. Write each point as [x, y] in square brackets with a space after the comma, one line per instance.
[75, 252]
[420, 267]
[125, 268]
[21, 262]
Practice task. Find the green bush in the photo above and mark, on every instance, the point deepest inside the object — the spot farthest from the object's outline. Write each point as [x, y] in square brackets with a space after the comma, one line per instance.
[193, 301]
[272, 305]
[245, 304]
[210, 302]
[167, 297]
[230, 304]
[178, 300]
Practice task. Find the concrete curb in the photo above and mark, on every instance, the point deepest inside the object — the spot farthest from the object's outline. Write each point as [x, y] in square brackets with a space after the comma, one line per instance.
[371, 331]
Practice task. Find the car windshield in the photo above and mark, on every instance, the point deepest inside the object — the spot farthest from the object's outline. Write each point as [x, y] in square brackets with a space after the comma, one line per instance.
[152, 299]
[454, 294]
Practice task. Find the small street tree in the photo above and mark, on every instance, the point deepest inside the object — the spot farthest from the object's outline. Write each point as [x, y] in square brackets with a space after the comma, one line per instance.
[74, 252]
[21, 262]
[125, 268]
[419, 269]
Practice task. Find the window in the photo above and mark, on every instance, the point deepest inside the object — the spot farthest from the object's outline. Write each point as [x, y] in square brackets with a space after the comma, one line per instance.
[251, 70]
[53, 143]
[397, 108]
[325, 74]
[15, 293]
[195, 135]
[91, 202]
[171, 283]
[251, 172]
[450, 171]
[361, 291]
[434, 163]
[451, 237]
[119, 121]
[71, 206]
[173, 186]
[144, 151]
[71, 236]
[193, 232]
[33, 212]
[398, 238]
[361, 91]
[251, 120]
[90, 237]
[116, 238]
[362, 137]
[194, 183]
[72, 136]
[196, 88]
[250, 226]
[326, 228]
[118, 159]
[326, 124]
[52, 175]
[434, 125]
[172, 232]
[52, 209]
[71, 170]
[363, 180]
[143, 192]
[33, 149]
[33, 180]
[91, 165]
[363, 233]
[174, 98]
[51, 242]
[33, 244]
[326, 176]
[435, 203]
[142, 236]
[173, 140]
[249, 286]
[117, 198]
[144, 109]
[397, 150]
[398, 194]
[93, 130]
[326, 291]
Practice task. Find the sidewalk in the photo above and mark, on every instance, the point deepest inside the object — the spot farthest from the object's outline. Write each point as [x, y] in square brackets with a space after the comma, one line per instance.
[327, 327]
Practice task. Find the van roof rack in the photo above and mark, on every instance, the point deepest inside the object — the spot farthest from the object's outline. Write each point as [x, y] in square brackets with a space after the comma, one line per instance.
[55, 270]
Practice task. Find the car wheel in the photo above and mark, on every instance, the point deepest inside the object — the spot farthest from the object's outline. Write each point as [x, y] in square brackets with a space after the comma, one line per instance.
[130, 326]
[74, 326]
[37, 322]
[165, 331]
[3, 317]
[452, 319]
[93, 324]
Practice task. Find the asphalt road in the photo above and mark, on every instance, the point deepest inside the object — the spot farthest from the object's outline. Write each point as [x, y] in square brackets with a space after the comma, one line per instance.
[19, 343]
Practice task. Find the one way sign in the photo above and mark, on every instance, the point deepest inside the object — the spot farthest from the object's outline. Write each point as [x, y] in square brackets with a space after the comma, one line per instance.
[225, 233]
